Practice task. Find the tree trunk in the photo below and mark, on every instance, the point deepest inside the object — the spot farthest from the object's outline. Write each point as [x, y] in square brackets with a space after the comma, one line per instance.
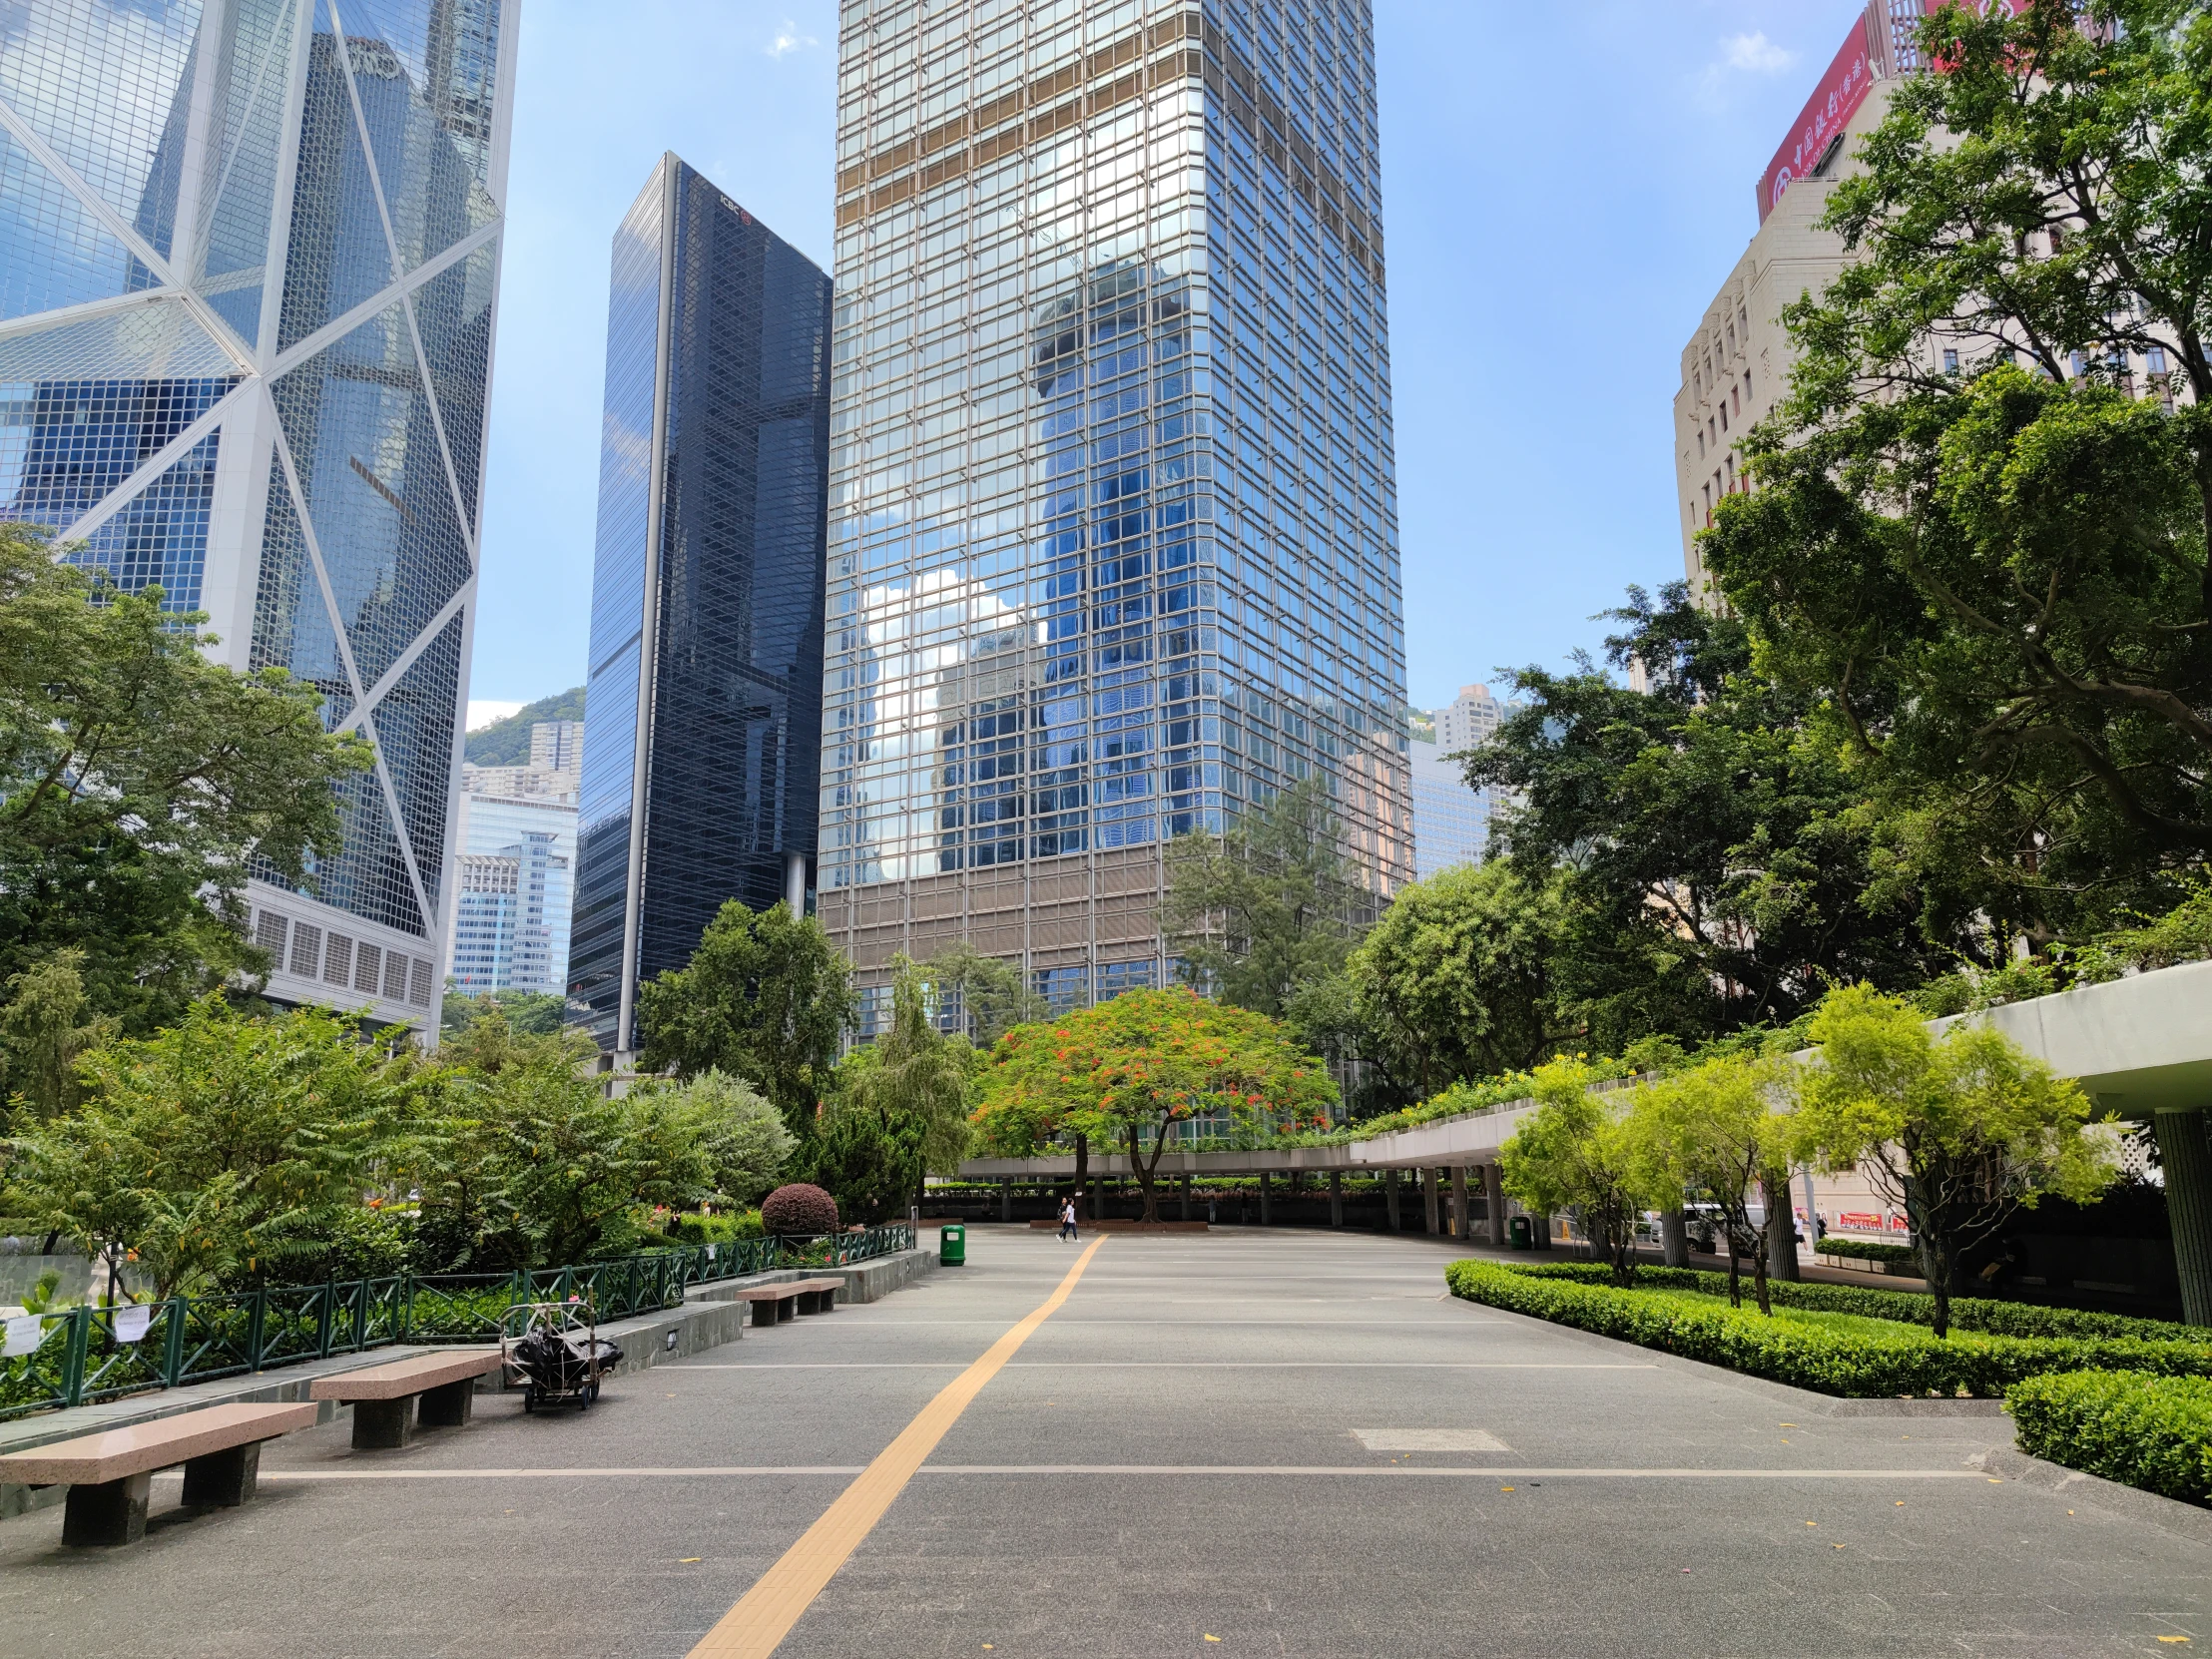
[1759, 1266]
[1145, 1171]
[1735, 1273]
[1674, 1237]
[1782, 1256]
[1082, 1173]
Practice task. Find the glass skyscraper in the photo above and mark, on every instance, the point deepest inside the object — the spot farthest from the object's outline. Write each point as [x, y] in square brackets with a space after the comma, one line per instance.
[248, 257]
[704, 696]
[1113, 529]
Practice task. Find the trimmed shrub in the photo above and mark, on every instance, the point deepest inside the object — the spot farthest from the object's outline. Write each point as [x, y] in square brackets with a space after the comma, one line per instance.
[799, 1207]
[1997, 1319]
[1865, 1363]
[2149, 1431]
[1866, 1250]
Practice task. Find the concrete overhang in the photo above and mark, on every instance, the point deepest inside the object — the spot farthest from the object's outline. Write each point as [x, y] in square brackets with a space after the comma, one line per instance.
[2136, 1046]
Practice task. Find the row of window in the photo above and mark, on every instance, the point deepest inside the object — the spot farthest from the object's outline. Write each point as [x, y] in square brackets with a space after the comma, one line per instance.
[306, 951]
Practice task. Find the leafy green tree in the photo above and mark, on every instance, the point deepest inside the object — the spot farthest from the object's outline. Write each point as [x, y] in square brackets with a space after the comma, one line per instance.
[1957, 1131]
[542, 1168]
[1271, 905]
[1713, 858]
[1579, 1152]
[900, 1110]
[993, 996]
[527, 1013]
[222, 1147]
[135, 777]
[1456, 982]
[1723, 1126]
[765, 998]
[46, 1028]
[1130, 1070]
[744, 1136]
[1992, 579]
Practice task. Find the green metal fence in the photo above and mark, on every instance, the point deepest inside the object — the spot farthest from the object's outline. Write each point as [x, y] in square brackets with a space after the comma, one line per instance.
[81, 1357]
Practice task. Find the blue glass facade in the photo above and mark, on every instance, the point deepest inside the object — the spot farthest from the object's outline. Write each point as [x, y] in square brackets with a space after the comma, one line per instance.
[1113, 529]
[248, 254]
[700, 766]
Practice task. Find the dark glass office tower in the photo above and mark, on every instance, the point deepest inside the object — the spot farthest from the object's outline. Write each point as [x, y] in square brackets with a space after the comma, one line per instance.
[703, 758]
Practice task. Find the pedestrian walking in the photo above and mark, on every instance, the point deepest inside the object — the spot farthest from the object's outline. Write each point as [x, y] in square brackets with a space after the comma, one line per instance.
[1067, 1217]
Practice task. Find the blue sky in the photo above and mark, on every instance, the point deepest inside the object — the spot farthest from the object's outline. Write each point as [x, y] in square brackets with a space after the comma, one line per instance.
[1565, 187]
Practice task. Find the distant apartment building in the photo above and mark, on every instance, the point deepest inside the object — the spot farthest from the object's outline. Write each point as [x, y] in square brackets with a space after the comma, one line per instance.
[705, 688]
[511, 918]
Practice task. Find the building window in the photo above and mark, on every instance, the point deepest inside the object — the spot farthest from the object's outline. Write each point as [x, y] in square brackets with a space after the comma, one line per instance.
[2154, 359]
[1950, 359]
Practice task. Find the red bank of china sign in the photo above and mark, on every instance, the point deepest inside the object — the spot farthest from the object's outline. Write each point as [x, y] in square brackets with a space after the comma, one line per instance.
[1842, 89]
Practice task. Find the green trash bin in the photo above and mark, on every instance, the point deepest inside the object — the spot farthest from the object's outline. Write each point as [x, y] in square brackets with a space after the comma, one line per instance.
[1523, 1238]
[952, 1244]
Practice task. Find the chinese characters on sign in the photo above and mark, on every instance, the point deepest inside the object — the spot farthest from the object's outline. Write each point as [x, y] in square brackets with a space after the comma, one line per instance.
[1833, 102]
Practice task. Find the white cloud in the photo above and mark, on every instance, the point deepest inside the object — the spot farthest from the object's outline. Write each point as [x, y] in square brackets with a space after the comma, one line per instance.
[483, 710]
[789, 39]
[1756, 54]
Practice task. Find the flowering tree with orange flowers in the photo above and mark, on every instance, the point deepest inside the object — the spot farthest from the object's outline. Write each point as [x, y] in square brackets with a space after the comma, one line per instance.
[1128, 1070]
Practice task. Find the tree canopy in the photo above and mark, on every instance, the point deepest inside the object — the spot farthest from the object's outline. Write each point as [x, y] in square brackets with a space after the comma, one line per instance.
[137, 777]
[1270, 906]
[1128, 1070]
[1978, 537]
[765, 998]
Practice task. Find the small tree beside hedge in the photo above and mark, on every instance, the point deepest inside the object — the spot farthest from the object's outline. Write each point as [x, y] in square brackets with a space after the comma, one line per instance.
[801, 1209]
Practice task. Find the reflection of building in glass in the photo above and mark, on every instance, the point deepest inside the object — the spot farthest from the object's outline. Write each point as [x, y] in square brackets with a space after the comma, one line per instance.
[246, 278]
[700, 780]
[1451, 823]
[1113, 522]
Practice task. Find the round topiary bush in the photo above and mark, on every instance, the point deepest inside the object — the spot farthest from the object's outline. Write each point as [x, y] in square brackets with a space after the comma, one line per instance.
[799, 1207]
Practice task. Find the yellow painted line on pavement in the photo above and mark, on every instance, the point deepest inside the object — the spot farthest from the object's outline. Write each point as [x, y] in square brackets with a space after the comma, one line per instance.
[756, 1624]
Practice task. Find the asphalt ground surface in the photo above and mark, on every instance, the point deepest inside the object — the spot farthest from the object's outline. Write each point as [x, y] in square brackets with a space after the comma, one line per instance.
[1201, 1444]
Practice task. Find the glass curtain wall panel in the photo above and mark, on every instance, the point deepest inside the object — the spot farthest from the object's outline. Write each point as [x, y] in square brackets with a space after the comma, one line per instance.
[700, 775]
[1113, 526]
[248, 260]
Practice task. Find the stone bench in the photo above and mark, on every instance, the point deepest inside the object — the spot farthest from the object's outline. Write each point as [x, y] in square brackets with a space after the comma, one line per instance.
[110, 1474]
[772, 1303]
[383, 1397]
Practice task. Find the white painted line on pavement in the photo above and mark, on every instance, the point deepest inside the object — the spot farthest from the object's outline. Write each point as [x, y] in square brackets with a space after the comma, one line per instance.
[1174, 1365]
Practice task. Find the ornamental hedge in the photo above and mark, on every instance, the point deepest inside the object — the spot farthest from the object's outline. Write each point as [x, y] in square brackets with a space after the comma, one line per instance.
[1864, 1362]
[1866, 1250]
[1997, 1319]
[2149, 1431]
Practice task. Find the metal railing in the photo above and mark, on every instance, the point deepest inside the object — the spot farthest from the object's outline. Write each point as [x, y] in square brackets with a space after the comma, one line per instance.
[81, 1357]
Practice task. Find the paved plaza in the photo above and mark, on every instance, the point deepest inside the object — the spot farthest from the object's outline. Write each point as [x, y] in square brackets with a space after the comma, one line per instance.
[1234, 1442]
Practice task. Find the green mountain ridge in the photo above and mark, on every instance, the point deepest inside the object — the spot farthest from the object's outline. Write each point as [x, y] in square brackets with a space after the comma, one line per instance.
[506, 742]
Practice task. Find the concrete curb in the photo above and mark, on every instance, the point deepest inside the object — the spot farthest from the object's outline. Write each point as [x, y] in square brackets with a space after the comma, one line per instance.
[2183, 1520]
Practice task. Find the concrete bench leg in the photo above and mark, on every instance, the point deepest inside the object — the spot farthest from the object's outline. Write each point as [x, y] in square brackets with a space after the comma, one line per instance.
[222, 1479]
[811, 1303]
[787, 1308]
[383, 1425]
[449, 1405]
[113, 1513]
[763, 1312]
